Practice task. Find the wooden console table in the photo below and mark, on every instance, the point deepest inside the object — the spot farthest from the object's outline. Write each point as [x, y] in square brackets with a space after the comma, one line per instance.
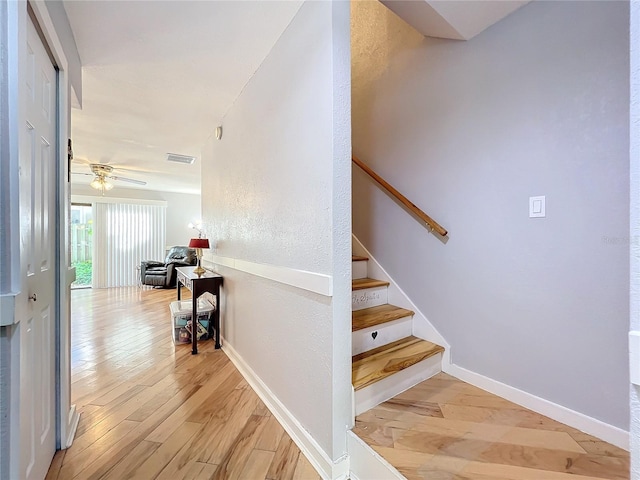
[199, 284]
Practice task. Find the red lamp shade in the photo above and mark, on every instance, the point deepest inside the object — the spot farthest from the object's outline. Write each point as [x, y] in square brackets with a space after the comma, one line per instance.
[199, 243]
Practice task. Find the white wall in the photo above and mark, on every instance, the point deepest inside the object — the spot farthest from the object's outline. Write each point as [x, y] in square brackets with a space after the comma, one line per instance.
[182, 208]
[635, 224]
[535, 105]
[279, 197]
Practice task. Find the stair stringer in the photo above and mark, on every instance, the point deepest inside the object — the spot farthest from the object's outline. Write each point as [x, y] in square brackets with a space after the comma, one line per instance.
[421, 326]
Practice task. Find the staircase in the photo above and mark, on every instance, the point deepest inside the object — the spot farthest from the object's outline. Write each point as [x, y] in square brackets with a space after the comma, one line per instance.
[386, 358]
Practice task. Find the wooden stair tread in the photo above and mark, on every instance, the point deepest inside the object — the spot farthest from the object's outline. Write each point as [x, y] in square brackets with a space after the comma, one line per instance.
[374, 365]
[362, 283]
[369, 317]
[358, 258]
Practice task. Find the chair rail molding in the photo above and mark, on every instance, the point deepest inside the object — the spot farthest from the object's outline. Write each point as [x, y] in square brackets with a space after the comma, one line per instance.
[314, 282]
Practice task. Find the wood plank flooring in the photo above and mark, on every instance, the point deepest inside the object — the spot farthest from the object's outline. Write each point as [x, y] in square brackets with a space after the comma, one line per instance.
[152, 410]
[444, 428]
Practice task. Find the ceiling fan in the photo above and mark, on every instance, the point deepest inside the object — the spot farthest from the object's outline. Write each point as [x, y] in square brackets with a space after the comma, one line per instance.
[102, 173]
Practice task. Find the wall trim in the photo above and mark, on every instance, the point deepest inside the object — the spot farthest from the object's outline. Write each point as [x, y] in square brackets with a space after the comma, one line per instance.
[328, 469]
[311, 281]
[72, 425]
[580, 421]
[7, 309]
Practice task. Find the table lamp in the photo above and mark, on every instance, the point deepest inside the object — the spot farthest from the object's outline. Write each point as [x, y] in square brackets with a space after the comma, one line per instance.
[199, 244]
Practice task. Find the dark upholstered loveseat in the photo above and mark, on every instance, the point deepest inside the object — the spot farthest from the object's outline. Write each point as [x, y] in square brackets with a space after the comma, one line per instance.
[163, 274]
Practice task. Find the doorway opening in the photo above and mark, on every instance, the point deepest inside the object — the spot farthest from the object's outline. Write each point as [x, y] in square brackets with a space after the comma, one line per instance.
[82, 244]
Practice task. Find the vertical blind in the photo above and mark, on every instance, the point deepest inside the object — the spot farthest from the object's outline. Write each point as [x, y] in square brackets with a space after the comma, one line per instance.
[124, 235]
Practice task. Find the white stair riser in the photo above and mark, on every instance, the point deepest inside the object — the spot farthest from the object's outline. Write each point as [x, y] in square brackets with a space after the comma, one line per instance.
[362, 340]
[359, 269]
[368, 297]
[389, 387]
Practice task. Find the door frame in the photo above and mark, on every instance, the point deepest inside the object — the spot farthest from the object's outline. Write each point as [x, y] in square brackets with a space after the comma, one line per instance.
[13, 295]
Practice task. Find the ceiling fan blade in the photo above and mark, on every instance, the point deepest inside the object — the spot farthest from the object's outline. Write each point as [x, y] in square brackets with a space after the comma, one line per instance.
[125, 169]
[81, 173]
[124, 179]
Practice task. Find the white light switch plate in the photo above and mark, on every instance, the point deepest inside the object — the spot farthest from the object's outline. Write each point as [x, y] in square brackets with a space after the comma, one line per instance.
[537, 207]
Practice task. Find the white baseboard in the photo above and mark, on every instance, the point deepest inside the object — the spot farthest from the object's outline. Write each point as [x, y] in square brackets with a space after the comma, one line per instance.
[366, 463]
[584, 423]
[72, 425]
[328, 469]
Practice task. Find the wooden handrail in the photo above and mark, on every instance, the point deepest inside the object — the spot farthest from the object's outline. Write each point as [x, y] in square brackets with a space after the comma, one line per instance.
[431, 223]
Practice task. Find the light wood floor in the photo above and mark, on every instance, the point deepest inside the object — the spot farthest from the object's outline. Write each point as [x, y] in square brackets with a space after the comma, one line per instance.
[152, 410]
[447, 429]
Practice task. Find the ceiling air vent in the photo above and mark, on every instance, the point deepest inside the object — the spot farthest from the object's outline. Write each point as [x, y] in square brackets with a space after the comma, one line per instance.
[173, 157]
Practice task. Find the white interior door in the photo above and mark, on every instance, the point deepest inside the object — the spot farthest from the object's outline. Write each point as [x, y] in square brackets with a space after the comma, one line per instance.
[37, 212]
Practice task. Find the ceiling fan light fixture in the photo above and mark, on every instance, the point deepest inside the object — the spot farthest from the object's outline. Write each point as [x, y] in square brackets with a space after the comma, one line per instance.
[100, 183]
[96, 183]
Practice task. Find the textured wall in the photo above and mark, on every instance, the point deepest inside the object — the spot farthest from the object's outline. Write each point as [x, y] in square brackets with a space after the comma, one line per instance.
[535, 105]
[276, 190]
[182, 209]
[635, 225]
[281, 213]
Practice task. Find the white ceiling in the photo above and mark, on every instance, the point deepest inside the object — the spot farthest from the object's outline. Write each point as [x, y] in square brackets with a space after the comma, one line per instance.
[158, 77]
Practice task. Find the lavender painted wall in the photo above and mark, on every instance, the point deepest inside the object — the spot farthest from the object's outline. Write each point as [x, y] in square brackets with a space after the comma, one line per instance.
[535, 105]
